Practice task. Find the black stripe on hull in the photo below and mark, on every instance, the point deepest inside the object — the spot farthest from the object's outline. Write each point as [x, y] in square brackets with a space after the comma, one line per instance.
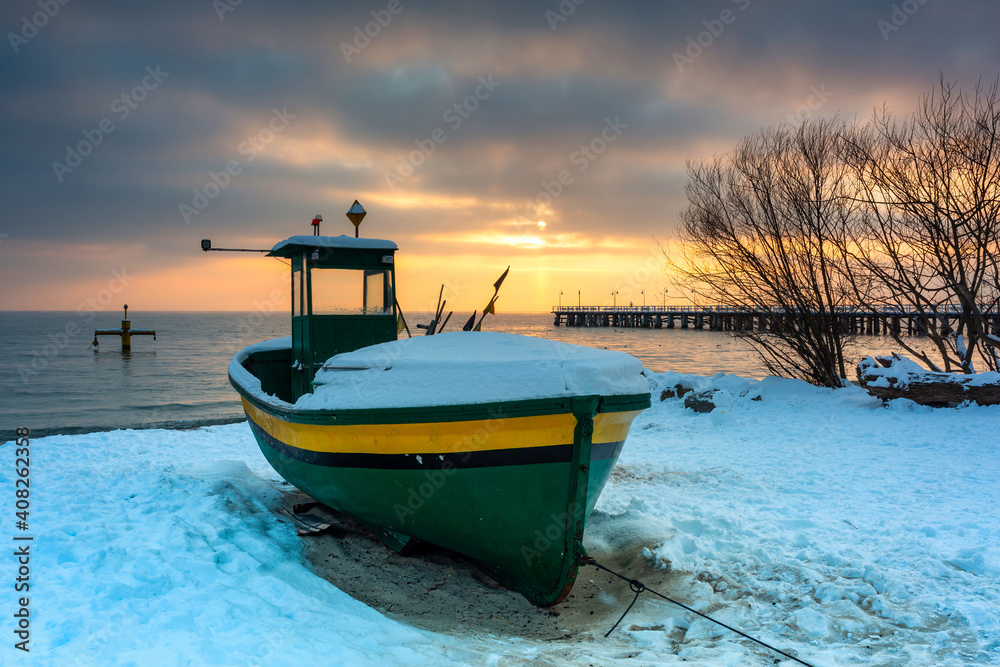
[447, 461]
[606, 450]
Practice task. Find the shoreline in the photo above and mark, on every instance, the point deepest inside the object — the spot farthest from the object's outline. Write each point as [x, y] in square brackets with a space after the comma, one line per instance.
[177, 425]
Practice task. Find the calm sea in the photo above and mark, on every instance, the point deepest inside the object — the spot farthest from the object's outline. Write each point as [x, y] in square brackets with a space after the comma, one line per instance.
[53, 381]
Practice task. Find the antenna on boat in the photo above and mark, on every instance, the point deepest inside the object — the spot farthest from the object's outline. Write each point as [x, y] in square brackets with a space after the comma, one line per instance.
[206, 245]
[356, 214]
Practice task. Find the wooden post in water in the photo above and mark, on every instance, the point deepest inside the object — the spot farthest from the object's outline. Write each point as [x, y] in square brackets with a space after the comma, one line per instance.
[125, 332]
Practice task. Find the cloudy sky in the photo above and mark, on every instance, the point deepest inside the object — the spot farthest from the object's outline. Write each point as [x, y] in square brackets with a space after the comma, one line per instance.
[548, 136]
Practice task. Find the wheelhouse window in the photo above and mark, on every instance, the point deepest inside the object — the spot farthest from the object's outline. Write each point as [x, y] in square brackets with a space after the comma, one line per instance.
[297, 276]
[350, 291]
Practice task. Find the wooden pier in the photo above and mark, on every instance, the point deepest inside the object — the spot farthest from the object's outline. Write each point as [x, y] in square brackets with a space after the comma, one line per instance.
[723, 318]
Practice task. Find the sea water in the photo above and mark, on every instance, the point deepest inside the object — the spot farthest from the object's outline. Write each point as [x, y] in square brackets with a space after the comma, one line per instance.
[53, 380]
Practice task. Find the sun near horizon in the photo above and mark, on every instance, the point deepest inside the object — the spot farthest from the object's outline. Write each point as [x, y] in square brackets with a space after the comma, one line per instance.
[548, 267]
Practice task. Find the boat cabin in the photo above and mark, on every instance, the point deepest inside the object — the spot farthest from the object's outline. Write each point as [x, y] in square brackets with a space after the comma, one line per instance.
[343, 299]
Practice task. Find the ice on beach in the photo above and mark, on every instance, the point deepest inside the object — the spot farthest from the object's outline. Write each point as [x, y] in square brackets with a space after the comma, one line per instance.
[819, 520]
[163, 547]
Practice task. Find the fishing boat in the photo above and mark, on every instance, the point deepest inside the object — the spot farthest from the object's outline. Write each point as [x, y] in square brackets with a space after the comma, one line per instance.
[492, 445]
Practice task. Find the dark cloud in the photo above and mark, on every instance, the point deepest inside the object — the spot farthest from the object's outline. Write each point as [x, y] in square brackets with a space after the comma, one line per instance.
[689, 79]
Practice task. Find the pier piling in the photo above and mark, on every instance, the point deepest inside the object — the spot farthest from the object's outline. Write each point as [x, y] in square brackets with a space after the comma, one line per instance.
[851, 320]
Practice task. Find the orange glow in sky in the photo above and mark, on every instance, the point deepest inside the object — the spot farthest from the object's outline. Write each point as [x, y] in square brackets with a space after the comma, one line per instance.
[476, 139]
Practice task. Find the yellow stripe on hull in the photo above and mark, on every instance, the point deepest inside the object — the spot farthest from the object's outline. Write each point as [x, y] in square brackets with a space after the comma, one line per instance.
[612, 426]
[439, 437]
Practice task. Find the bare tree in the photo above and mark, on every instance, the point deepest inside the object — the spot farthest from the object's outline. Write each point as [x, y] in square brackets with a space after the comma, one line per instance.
[760, 236]
[929, 232]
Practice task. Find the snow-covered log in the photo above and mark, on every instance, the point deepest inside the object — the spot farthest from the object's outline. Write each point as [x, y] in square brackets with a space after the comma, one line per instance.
[898, 377]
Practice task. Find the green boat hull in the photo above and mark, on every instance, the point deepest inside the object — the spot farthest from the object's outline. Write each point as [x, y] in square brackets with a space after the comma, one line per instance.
[509, 485]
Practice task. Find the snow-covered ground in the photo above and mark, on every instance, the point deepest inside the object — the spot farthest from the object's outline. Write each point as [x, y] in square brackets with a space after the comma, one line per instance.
[817, 520]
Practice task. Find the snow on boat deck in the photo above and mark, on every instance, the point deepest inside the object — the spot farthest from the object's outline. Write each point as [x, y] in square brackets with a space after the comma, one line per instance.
[470, 367]
[818, 520]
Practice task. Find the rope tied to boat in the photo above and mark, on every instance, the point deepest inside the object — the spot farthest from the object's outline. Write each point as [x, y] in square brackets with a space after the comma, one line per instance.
[638, 587]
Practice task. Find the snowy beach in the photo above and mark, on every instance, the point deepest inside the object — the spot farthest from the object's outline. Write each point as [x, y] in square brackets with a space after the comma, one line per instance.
[831, 526]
